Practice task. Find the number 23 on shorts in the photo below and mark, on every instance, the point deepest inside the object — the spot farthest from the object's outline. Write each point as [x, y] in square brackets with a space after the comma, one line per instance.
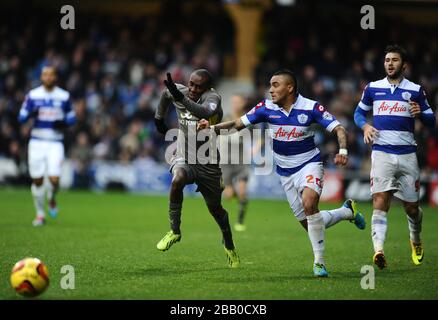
[311, 179]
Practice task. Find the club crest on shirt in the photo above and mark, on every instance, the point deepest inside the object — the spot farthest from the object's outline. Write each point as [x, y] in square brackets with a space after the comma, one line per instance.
[302, 118]
[406, 95]
[57, 103]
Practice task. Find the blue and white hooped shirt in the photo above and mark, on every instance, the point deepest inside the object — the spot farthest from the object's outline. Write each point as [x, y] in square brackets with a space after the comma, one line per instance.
[391, 116]
[49, 106]
[293, 140]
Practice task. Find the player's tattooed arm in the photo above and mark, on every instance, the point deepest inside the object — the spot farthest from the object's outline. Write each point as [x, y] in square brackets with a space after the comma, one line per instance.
[235, 124]
[228, 125]
[341, 133]
[341, 159]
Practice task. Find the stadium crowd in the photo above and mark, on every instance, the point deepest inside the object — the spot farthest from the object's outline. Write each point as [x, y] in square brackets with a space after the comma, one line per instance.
[114, 67]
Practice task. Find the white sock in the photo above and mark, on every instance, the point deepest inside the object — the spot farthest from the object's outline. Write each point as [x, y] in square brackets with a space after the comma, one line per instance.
[50, 189]
[316, 231]
[415, 226]
[38, 199]
[332, 217]
[378, 229]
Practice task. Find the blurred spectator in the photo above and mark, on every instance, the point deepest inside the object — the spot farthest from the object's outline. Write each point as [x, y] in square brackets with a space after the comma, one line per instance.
[81, 154]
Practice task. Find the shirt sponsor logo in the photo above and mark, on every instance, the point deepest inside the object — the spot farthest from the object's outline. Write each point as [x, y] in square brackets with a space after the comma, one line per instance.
[49, 114]
[396, 108]
[186, 115]
[185, 122]
[280, 133]
[380, 93]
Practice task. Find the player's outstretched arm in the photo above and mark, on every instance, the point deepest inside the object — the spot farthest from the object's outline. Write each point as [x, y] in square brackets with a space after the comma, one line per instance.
[205, 110]
[341, 159]
[229, 125]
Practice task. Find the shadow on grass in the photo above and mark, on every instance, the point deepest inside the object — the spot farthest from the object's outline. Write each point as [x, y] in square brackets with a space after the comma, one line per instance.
[170, 271]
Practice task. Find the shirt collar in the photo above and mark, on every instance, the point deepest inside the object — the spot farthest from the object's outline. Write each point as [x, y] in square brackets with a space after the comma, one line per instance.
[297, 101]
[395, 85]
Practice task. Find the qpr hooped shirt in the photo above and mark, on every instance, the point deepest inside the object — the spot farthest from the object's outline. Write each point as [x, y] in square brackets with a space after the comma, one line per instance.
[293, 139]
[391, 116]
[50, 106]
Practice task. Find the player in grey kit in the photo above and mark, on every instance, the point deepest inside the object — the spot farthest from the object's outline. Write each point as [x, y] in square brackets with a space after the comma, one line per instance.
[194, 102]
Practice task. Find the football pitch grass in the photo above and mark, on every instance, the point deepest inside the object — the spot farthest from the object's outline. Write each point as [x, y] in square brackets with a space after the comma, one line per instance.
[110, 241]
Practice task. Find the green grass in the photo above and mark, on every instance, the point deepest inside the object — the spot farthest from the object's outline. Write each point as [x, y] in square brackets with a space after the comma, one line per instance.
[110, 241]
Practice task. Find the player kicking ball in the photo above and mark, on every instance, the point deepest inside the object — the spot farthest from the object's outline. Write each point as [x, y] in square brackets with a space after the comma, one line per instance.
[289, 116]
[196, 101]
[50, 108]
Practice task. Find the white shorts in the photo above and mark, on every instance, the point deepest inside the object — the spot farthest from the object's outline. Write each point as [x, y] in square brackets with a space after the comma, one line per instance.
[45, 156]
[311, 176]
[397, 172]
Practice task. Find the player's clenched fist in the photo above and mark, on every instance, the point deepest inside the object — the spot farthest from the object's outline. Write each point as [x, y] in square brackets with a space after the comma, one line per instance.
[341, 160]
[203, 124]
[414, 109]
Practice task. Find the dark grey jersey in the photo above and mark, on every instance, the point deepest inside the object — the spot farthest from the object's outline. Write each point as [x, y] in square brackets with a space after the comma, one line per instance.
[193, 146]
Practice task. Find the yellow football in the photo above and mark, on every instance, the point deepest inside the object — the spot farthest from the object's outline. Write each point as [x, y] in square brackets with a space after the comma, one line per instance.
[29, 277]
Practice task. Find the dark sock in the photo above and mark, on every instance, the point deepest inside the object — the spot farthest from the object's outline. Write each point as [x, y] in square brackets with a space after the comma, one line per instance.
[221, 217]
[242, 210]
[175, 217]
